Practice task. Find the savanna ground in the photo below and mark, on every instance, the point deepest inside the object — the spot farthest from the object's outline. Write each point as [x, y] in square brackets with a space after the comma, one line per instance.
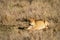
[13, 13]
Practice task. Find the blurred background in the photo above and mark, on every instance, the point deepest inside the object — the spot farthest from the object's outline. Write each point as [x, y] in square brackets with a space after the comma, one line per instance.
[14, 12]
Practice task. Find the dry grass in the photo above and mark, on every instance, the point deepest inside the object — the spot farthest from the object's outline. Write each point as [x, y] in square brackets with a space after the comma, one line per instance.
[13, 13]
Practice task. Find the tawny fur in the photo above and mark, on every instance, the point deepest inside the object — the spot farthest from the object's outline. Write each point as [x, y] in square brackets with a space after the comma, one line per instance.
[37, 25]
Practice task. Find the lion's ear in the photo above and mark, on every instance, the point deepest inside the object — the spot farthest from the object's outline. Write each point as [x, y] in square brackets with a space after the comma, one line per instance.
[31, 19]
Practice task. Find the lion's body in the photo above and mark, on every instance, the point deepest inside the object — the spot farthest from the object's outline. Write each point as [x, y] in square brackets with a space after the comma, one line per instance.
[37, 25]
